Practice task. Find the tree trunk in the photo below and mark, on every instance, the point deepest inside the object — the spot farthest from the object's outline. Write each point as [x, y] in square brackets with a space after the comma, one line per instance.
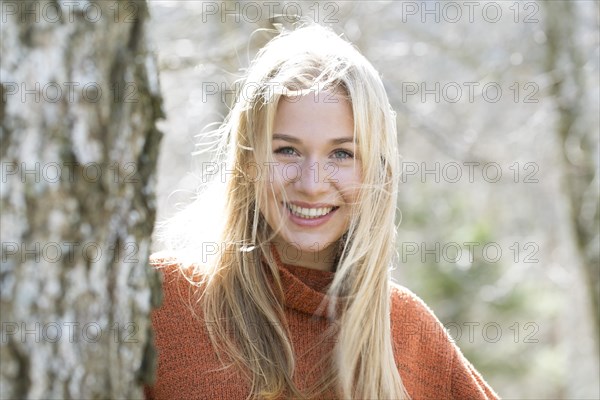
[580, 179]
[578, 139]
[80, 97]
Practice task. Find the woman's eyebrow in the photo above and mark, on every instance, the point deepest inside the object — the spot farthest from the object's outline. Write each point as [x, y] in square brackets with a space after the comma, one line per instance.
[292, 139]
[287, 138]
[342, 140]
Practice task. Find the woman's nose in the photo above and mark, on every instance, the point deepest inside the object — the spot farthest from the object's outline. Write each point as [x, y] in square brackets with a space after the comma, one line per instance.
[313, 177]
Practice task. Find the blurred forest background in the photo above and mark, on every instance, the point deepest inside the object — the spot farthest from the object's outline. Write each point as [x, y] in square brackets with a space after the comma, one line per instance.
[498, 124]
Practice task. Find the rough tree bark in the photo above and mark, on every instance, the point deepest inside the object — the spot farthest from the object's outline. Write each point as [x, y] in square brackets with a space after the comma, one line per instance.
[80, 98]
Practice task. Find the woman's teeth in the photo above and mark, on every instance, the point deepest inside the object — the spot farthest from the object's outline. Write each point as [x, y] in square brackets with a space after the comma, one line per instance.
[309, 213]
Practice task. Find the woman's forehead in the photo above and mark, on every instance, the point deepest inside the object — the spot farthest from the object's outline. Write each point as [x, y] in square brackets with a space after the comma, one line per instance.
[316, 114]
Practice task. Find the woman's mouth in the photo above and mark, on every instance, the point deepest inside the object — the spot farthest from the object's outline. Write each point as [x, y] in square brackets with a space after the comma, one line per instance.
[309, 213]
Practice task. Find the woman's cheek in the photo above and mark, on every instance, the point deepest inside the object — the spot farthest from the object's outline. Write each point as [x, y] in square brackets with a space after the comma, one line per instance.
[348, 179]
[278, 176]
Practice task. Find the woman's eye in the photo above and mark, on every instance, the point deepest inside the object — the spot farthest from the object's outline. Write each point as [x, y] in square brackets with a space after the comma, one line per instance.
[286, 151]
[343, 154]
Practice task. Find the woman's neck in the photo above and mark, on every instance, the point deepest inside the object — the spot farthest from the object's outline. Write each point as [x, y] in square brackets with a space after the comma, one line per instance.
[323, 260]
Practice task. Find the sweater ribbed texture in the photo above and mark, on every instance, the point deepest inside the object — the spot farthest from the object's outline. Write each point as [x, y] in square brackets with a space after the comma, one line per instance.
[430, 365]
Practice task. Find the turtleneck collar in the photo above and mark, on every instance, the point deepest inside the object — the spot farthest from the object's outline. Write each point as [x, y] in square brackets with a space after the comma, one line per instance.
[305, 288]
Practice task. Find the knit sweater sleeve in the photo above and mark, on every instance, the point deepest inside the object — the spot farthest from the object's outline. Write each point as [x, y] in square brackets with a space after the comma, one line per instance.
[467, 383]
[173, 323]
[430, 364]
[161, 262]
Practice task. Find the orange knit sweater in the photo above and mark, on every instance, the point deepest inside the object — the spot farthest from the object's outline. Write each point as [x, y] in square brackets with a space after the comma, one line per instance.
[430, 365]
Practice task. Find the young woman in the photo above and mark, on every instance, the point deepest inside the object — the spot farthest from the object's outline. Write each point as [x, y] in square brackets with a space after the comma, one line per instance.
[288, 294]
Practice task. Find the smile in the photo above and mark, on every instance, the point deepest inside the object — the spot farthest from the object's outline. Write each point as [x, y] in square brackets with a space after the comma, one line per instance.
[309, 213]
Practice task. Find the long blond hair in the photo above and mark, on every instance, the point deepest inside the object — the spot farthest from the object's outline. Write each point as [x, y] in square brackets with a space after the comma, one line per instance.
[237, 294]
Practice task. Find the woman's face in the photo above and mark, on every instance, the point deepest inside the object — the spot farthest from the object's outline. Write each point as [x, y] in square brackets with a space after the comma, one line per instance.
[317, 168]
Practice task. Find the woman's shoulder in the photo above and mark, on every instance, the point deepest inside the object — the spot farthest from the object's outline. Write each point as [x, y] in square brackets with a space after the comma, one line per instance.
[415, 327]
[182, 281]
[182, 285]
[428, 354]
[406, 306]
